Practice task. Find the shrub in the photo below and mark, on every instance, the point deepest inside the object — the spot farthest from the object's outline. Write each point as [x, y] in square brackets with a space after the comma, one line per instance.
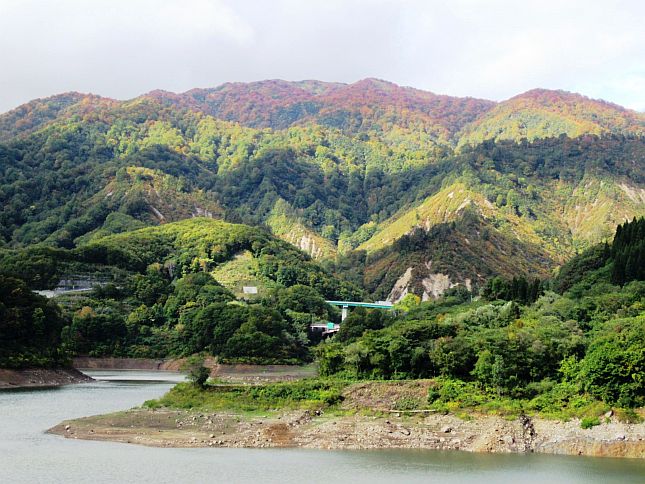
[588, 422]
[199, 376]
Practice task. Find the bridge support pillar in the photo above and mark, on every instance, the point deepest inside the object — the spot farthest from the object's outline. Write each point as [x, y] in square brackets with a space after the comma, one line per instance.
[344, 313]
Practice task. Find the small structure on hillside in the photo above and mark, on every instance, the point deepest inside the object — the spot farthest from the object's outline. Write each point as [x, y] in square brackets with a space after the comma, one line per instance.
[325, 328]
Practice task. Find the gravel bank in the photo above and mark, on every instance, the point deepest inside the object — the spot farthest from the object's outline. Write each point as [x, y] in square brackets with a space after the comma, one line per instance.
[179, 428]
[367, 419]
[40, 377]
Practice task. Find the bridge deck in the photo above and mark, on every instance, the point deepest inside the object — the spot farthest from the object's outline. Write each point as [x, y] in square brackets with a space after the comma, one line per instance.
[360, 304]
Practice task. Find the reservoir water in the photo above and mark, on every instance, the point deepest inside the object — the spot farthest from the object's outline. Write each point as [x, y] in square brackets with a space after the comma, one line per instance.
[29, 455]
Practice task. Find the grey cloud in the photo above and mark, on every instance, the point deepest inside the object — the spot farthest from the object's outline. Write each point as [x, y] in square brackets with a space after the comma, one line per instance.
[493, 49]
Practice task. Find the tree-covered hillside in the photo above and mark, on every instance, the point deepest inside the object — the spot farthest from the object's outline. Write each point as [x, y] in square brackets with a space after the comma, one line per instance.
[30, 327]
[348, 173]
[176, 290]
[167, 208]
[541, 113]
[549, 350]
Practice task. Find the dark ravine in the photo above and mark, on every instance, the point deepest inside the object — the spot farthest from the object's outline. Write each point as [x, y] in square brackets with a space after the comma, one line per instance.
[40, 377]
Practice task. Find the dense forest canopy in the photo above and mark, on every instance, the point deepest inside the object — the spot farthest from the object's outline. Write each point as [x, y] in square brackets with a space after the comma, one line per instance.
[521, 339]
[156, 293]
[167, 208]
[550, 343]
[30, 327]
[95, 167]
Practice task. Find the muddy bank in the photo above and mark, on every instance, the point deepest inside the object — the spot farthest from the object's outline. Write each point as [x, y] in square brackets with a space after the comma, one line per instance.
[40, 377]
[86, 362]
[246, 373]
[181, 428]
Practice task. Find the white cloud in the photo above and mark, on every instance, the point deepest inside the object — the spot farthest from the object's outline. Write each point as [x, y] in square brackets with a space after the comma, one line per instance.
[493, 49]
[200, 18]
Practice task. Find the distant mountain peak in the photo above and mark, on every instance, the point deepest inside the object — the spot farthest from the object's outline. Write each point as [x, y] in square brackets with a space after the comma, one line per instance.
[364, 105]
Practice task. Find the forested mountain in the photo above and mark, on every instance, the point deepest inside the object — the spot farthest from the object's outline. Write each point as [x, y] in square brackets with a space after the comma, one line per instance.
[541, 113]
[396, 189]
[370, 104]
[554, 351]
[169, 290]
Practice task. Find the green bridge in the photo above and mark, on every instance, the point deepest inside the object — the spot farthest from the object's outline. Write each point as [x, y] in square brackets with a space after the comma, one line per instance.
[328, 328]
[345, 305]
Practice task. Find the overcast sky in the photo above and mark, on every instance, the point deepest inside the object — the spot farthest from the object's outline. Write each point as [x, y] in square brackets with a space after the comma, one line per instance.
[492, 49]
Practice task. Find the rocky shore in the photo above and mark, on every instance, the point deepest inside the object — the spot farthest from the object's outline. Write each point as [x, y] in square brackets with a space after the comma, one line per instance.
[367, 418]
[181, 428]
[226, 372]
[40, 377]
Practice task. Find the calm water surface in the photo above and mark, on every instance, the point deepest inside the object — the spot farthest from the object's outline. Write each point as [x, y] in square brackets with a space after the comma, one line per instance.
[29, 455]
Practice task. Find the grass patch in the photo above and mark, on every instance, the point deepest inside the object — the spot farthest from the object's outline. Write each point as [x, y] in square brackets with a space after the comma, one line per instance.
[241, 270]
[588, 422]
[560, 402]
[628, 415]
[303, 394]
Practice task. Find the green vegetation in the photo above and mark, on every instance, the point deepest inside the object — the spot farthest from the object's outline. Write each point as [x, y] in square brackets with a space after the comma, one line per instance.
[539, 352]
[560, 401]
[30, 328]
[170, 204]
[162, 299]
[198, 374]
[517, 289]
[332, 169]
[589, 422]
[628, 252]
[311, 394]
[541, 113]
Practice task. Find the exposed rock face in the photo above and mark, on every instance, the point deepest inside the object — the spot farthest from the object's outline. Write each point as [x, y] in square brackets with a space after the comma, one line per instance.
[435, 285]
[432, 284]
[400, 289]
[635, 194]
[202, 212]
[307, 241]
[308, 244]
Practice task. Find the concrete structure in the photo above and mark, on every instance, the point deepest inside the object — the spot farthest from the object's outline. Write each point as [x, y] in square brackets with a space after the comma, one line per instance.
[326, 328]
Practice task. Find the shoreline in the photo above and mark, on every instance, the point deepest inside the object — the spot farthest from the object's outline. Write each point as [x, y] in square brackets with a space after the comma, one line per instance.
[365, 420]
[315, 429]
[53, 377]
[223, 371]
[40, 377]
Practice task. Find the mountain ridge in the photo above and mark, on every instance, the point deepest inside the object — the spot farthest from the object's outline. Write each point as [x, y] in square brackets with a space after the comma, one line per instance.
[279, 104]
[345, 172]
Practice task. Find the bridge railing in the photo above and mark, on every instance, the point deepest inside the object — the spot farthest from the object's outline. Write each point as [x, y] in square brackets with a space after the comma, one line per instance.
[349, 304]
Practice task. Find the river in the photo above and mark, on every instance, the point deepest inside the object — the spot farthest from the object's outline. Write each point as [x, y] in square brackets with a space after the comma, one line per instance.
[28, 454]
